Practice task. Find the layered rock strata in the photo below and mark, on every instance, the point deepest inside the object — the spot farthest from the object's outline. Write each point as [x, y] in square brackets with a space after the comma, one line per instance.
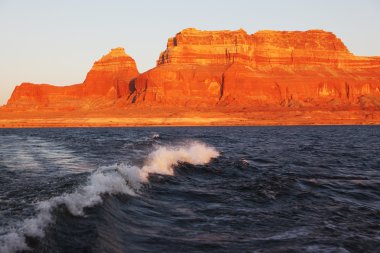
[223, 71]
[269, 68]
[107, 81]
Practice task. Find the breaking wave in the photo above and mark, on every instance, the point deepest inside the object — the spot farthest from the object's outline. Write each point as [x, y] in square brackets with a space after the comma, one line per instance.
[162, 160]
[114, 179]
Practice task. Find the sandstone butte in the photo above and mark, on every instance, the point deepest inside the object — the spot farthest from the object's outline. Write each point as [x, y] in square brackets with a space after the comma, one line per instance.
[214, 78]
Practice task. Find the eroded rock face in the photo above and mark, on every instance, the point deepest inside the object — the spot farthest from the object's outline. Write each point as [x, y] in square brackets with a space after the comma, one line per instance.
[269, 68]
[192, 46]
[108, 80]
[180, 85]
[214, 70]
[110, 76]
[264, 48]
[28, 96]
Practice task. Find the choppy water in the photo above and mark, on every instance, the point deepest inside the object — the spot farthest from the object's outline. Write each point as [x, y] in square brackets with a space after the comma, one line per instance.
[217, 189]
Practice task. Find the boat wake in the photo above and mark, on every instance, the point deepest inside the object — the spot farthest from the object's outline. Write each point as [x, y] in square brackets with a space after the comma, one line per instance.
[114, 179]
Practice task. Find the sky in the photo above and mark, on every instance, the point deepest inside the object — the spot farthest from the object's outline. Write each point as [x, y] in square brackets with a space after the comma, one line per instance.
[57, 41]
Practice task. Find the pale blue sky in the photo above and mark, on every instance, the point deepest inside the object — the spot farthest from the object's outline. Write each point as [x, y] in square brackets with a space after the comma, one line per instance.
[56, 42]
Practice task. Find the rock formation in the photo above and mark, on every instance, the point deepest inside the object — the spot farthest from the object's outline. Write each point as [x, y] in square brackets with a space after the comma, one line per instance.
[108, 80]
[228, 71]
[268, 68]
[111, 75]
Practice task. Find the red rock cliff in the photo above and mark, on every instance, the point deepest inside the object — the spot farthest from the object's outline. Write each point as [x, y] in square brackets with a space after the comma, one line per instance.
[107, 81]
[110, 76]
[192, 46]
[212, 70]
[269, 68]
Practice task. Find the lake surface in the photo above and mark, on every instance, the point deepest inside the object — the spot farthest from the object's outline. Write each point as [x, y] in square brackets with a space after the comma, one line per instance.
[196, 189]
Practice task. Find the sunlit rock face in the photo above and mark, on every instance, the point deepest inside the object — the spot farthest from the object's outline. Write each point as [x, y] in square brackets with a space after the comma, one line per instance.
[269, 68]
[110, 76]
[223, 70]
[107, 81]
[264, 48]
[29, 97]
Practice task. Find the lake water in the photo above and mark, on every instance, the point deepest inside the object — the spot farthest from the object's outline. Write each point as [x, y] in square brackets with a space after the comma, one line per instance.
[196, 189]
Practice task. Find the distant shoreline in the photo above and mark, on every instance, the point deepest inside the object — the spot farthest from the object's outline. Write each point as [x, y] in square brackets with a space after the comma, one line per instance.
[293, 118]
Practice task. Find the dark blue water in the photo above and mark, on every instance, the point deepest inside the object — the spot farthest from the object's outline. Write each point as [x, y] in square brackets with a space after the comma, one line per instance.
[217, 189]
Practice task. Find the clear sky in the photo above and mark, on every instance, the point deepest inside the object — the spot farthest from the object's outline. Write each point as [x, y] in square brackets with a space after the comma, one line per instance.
[57, 41]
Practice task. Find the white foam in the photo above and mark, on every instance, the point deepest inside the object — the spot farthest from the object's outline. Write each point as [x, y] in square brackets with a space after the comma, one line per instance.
[13, 242]
[106, 180]
[162, 160]
[114, 179]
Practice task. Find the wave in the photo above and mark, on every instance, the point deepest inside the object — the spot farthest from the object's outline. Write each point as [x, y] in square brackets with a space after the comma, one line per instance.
[114, 179]
[162, 160]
